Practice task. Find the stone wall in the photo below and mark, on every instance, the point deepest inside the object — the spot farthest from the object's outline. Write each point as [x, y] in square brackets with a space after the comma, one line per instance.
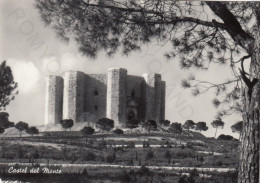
[54, 99]
[96, 94]
[152, 95]
[113, 95]
[135, 92]
[163, 93]
[116, 95]
[74, 95]
[157, 97]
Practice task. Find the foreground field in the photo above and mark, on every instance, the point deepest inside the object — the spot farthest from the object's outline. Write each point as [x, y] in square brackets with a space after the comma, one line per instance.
[158, 153]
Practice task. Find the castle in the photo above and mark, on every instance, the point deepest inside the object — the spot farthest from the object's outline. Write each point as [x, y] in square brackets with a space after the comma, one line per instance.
[115, 95]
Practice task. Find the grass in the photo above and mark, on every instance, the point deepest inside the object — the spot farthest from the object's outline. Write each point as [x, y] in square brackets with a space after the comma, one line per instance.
[72, 147]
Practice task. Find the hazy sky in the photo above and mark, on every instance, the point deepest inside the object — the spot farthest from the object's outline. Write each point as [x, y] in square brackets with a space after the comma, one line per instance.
[33, 51]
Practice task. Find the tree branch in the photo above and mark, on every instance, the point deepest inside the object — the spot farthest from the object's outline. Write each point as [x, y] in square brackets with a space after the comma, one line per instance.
[233, 26]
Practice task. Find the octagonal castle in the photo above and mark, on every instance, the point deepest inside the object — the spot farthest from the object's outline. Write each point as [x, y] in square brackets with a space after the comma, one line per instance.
[115, 95]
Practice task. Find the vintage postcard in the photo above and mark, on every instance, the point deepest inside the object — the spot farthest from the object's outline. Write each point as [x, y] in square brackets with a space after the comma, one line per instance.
[131, 91]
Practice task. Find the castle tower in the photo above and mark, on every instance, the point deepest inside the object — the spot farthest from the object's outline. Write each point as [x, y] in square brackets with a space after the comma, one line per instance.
[116, 95]
[74, 95]
[152, 96]
[54, 99]
[163, 92]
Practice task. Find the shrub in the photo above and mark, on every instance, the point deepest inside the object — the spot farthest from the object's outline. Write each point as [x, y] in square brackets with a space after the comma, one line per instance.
[168, 145]
[150, 125]
[32, 131]
[164, 122]
[66, 123]
[130, 162]
[175, 128]
[102, 144]
[131, 144]
[89, 156]
[225, 137]
[146, 144]
[2, 130]
[149, 155]
[201, 159]
[143, 171]
[134, 123]
[87, 131]
[118, 131]
[105, 124]
[219, 163]
[167, 154]
[111, 157]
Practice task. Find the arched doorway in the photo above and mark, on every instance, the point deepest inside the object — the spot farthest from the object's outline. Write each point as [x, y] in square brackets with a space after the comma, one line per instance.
[131, 115]
[132, 109]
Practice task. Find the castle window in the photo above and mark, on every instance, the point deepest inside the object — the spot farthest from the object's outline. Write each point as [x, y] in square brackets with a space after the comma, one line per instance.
[95, 92]
[133, 93]
[96, 107]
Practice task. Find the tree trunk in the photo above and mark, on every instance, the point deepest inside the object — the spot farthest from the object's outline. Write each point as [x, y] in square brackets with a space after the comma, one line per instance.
[216, 132]
[249, 155]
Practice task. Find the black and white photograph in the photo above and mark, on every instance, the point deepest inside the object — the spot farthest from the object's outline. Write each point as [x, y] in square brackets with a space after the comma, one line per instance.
[129, 91]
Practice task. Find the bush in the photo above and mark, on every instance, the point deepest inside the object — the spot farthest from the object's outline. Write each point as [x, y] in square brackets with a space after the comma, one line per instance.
[146, 144]
[110, 158]
[143, 171]
[149, 155]
[102, 144]
[32, 131]
[225, 137]
[201, 159]
[168, 145]
[67, 123]
[134, 123]
[105, 124]
[118, 131]
[219, 163]
[164, 122]
[185, 153]
[87, 131]
[150, 125]
[131, 144]
[89, 156]
[167, 154]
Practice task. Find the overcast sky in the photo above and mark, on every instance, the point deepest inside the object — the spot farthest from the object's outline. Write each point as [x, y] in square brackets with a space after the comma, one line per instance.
[33, 51]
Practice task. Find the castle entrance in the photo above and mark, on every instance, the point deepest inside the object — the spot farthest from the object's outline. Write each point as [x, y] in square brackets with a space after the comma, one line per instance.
[131, 115]
[131, 110]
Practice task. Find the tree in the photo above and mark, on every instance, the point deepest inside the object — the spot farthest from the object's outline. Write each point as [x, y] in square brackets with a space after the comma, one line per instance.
[32, 131]
[217, 124]
[227, 31]
[175, 128]
[105, 124]
[201, 126]
[67, 123]
[134, 123]
[237, 127]
[7, 85]
[4, 121]
[150, 125]
[189, 124]
[21, 126]
[87, 130]
[2, 130]
[164, 123]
